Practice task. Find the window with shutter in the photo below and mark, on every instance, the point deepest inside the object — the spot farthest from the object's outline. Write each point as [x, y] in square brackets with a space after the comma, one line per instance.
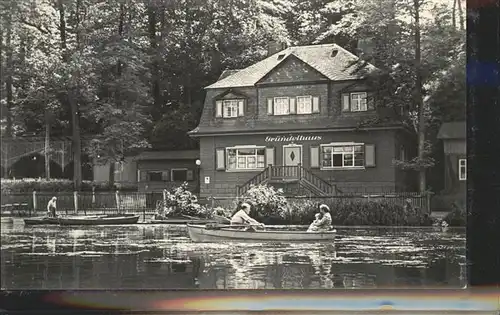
[369, 155]
[293, 109]
[342, 155]
[314, 156]
[345, 102]
[220, 163]
[165, 176]
[241, 108]
[315, 104]
[218, 109]
[270, 106]
[269, 156]
[179, 175]
[304, 104]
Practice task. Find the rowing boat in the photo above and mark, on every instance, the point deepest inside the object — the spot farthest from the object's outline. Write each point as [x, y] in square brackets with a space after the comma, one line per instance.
[41, 221]
[85, 220]
[203, 234]
[100, 220]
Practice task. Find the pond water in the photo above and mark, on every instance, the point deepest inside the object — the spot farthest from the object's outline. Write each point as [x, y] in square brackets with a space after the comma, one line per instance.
[162, 256]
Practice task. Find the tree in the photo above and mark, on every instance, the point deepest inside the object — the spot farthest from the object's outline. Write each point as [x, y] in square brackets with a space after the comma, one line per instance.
[411, 42]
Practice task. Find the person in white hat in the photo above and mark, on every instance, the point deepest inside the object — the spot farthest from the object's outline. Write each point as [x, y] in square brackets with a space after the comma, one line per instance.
[242, 218]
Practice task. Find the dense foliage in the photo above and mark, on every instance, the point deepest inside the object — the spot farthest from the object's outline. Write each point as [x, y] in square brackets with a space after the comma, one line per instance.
[57, 185]
[266, 202]
[122, 76]
[180, 201]
[458, 216]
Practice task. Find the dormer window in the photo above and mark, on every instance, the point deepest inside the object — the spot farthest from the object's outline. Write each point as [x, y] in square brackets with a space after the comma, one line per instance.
[230, 108]
[294, 105]
[355, 102]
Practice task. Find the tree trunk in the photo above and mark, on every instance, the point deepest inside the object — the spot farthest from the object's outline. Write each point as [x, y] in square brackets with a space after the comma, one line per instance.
[76, 138]
[454, 14]
[153, 42]
[47, 145]
[419, 98]
[8, 80]
[111, 174]
[460, 15]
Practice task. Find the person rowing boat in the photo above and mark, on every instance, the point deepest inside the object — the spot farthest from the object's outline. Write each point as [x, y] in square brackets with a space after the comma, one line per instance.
[242, 217]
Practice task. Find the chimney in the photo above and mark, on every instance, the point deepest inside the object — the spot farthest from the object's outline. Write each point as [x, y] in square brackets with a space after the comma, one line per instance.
[274, 47]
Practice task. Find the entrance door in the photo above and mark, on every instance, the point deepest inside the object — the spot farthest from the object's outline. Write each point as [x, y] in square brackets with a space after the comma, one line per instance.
[292, 156]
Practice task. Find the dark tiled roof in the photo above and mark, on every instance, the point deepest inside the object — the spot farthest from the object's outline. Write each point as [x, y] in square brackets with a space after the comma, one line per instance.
[169, 155]
[453, 130]
[347, 122]
[337, 67]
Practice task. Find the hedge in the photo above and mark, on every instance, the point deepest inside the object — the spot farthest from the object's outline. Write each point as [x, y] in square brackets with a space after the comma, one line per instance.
[28, 185]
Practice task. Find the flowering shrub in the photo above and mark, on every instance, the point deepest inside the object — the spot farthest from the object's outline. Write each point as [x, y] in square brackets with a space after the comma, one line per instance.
[181, 201]
[267, 203]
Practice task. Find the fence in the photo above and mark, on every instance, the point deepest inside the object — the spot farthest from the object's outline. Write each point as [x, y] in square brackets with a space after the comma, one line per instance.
[145, 202]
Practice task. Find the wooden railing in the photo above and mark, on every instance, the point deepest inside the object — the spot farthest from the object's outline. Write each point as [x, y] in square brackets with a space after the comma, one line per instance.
[256, 180]
[284, 173]
[324, 186]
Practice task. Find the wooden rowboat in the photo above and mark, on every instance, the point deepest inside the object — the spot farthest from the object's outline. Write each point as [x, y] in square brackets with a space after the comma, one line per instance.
[41, 221]
[204, 234]
[85, 220]
[185, 219]
[100, 220]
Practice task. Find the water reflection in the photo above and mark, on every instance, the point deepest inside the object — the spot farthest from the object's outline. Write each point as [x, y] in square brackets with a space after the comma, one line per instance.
[141, 256]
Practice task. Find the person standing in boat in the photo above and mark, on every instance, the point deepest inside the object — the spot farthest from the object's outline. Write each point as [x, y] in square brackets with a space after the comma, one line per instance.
[52, 207]
[325, 223]
[242, 217]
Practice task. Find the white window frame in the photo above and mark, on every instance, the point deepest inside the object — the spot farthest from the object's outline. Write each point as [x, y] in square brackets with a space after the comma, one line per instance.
[342, 144]
[462, 175]
[230, 103]
[177, 169]
[237, 168]
[275, 106]
[361, 106]
[297, 104]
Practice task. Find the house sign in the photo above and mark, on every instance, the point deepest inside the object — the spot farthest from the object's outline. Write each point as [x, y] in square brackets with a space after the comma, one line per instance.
[291, 138]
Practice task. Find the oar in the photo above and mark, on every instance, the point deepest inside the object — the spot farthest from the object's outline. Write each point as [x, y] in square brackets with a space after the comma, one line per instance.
[220, 226]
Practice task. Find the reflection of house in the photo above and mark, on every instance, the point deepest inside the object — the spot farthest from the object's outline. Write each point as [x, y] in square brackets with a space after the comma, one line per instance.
[298, 117]
[154, 170]
[453, 135]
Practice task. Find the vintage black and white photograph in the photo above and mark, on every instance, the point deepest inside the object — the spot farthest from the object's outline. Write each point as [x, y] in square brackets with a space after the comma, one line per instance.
[233, 144]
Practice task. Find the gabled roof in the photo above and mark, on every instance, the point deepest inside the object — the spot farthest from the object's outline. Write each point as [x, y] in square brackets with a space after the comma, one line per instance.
[453, 130]
[338, 66]
[227, 73]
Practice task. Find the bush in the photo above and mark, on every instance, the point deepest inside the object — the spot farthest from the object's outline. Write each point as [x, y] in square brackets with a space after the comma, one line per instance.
[271, 207]
[28, 185]
[457, 217]
[268, 204]
[180, 201]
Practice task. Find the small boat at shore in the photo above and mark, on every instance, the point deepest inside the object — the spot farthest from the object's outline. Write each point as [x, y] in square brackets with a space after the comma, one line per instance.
[206, 234]
[100, 220]
[112, 219]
